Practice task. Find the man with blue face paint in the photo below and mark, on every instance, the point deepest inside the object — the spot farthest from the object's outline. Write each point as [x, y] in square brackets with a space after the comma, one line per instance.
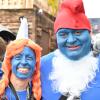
[71, 72]
[74, 44]
[21, 67]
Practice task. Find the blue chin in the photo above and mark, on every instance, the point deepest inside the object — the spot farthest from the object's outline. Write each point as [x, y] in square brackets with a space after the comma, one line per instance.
[24, 76]
[75, 54]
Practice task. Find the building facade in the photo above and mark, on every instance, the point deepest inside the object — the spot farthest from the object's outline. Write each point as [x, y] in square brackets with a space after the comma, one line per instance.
[40, 21]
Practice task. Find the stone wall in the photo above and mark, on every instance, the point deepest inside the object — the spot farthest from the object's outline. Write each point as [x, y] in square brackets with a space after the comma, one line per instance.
[44, 31]
[10, 18]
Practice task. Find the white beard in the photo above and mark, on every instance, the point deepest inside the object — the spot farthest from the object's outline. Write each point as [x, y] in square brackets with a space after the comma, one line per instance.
[72, 76]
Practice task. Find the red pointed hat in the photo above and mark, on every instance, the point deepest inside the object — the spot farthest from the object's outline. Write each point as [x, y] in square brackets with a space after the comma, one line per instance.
[72, 15]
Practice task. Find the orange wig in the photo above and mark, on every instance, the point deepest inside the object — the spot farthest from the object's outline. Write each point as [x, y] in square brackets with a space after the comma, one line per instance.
[14, 48]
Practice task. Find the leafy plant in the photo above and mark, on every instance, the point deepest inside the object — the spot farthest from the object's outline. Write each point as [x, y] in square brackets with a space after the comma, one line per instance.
[53, 4]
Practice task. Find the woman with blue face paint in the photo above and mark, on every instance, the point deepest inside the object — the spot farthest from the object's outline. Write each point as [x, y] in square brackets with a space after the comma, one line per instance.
[71, 72]
[21, 67]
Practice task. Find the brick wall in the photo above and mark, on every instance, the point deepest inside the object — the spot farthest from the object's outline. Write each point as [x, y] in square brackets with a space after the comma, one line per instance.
[10, 18]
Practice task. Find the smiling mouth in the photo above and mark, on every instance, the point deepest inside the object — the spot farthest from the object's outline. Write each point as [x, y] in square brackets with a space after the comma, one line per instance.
[73, 47]
[23, 70]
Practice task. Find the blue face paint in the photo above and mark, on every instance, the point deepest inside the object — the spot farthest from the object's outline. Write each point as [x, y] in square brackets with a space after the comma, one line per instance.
[23, 64]
[74, 44]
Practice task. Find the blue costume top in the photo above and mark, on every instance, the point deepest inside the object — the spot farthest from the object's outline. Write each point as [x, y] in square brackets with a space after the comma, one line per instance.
[93, 93]
[21, 94]
[10, 93]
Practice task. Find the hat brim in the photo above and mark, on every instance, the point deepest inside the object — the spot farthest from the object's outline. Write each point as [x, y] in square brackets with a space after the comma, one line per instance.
[7, 36]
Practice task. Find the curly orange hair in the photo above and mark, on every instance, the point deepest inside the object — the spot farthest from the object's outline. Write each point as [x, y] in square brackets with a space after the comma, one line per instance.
[14, 48]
